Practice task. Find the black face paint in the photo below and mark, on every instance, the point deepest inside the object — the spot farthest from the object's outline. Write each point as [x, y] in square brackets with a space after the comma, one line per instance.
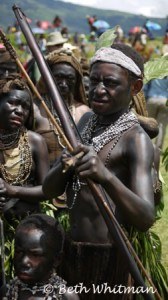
[14, 109]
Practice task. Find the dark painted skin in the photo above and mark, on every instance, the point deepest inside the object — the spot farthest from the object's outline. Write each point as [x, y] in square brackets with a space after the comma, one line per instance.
[34, 260]
[66, 78]
[126, 179]
[14, 111]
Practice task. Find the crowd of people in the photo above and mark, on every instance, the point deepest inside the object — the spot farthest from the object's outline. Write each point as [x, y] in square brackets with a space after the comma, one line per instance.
[114, 159]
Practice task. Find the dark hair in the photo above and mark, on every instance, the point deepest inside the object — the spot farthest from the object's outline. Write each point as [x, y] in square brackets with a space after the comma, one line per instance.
[131, 53]
[50, 226]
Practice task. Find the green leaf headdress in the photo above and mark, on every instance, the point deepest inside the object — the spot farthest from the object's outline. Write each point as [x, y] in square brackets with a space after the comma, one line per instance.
[107, 38]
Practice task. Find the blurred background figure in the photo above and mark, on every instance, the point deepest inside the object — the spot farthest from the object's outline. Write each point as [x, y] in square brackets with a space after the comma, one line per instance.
[148, 30]
[76, 38]
[165, 43]
[156, 94]
[85, 70]
[92, 37]
[55, 41]
[82, 44]
[119, 34]
[57, 22]
[18, 40]
[42, 42]
[7, 65]
[100, 26]
[91, 20]
[65, 33]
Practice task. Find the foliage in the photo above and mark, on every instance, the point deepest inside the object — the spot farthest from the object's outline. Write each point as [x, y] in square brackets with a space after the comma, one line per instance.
[148, 248]
[9, 231]
[165, 159]
[161, 225]
[157, 68]
[106, 39]
[47, 208]
[62, 215]
[63, 218]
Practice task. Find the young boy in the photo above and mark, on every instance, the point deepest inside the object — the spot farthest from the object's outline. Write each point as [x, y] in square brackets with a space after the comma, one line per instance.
[38, 248]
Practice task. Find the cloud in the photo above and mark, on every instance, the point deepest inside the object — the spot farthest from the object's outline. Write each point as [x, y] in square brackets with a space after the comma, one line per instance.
[150, 8]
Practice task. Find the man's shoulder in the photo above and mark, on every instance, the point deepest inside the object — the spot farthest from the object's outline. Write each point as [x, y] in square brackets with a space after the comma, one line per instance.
[135, 132]
[35, 137]
[84, 119]
[137, 141]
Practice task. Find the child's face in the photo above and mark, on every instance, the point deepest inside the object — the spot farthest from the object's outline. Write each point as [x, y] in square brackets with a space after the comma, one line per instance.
[33, 260]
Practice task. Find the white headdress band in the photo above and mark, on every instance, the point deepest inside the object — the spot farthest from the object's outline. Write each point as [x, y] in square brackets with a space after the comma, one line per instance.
[110, 55]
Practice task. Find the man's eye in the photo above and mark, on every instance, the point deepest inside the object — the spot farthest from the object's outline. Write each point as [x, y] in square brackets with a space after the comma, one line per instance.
[11, 102]
[93, 81]
[34, 254]
[71, 79]
[109, 83]
[58, 77]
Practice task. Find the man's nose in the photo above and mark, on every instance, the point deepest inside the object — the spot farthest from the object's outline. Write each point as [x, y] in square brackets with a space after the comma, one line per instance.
[63, 82]
[25, 261]
[100, 87]
[19, 109]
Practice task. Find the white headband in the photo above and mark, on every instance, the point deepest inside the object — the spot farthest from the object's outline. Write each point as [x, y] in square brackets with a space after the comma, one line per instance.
[110, 55]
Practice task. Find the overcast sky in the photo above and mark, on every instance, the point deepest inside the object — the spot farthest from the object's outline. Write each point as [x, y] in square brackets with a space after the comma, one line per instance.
[150, 8]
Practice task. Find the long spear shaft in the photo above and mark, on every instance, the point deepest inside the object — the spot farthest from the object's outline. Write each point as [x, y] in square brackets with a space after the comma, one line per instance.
[63, 115]
[13, 54]
[58, 103]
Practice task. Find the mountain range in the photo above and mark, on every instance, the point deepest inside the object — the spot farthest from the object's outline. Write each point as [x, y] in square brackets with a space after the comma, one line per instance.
[73, 16]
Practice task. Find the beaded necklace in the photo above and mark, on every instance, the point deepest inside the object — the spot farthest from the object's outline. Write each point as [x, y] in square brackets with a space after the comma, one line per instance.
[16, 173]
[112, 132]
[50, 290]
[8, 139]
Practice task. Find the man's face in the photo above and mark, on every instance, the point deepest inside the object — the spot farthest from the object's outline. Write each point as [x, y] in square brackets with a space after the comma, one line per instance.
[33, 258]
[66, 78]
[86, 82]
[14, 109]
[54, 47]
[109, 91]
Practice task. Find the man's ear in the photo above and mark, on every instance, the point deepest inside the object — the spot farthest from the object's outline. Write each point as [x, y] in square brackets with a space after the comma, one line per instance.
[136, 86]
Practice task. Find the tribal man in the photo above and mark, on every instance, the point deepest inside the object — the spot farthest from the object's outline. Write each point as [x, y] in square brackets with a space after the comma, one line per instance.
[67, 73]
[118, 155]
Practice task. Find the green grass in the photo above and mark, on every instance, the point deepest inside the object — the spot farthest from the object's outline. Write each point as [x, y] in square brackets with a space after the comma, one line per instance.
[161, 226]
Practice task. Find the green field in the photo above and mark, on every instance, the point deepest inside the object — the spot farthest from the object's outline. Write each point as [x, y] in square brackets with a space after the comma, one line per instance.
[161, 226]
